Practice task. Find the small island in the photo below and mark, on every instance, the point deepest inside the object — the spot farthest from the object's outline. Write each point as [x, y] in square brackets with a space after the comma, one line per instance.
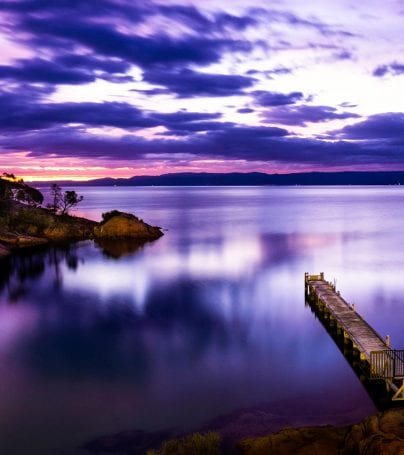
[24, 222]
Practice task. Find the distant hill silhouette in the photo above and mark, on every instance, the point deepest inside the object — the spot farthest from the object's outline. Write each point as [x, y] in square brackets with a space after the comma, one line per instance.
[250, 178]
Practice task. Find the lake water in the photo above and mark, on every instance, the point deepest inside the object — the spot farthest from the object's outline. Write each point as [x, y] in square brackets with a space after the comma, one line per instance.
[206, 321]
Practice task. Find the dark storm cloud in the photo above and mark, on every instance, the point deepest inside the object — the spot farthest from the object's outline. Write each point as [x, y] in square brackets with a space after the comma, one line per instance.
[263, 98]
[39, 70]
[66, 69]
[287, 17]
[90, 62]
[24, 108]
[146, 52]
[59, 25]
[245, 110]
[231, 141]
[45, 115]
[389, 125]
[133, 11]
[187, 83]
[394, 69]
[191, 16]
[224, 142]
[301, 115]
[183, 123]
[50, 9]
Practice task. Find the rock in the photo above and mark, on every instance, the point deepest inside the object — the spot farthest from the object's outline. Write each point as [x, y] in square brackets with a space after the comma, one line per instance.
[9, 241]
[135, 442]
[27, 240]
[29, 221]
[302, 441]
[125, 226]
[381, 434]
[22, 226]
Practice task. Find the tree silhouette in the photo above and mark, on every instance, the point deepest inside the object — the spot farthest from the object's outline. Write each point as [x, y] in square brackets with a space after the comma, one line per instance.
[14, 188]
[62, 202]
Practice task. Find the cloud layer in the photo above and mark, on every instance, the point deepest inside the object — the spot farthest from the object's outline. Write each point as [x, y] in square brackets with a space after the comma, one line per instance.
[123, 83]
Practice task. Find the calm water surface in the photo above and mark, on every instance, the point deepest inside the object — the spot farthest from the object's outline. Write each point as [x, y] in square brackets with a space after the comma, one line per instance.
[205, 321]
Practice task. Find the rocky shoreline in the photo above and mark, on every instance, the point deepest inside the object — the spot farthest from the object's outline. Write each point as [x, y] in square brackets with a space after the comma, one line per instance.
[23, 226]
[381, 433]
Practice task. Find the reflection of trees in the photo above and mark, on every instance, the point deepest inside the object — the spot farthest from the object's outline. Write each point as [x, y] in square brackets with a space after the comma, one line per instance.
[19, 272]
[83, 333]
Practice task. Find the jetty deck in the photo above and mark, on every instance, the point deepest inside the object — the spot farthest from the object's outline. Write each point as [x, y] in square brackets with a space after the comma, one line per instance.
[381, 362]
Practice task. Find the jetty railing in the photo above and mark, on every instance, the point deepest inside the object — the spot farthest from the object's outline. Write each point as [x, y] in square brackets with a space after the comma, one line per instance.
[387, 364]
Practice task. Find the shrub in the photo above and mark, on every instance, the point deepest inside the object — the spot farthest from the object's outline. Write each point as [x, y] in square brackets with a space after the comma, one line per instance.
[108, 215]
[195, 444]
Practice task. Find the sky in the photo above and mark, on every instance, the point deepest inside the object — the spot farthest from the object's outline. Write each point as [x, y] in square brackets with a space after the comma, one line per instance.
[95, 88]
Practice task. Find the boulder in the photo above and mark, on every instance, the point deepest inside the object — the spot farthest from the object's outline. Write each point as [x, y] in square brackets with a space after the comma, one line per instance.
[126, 226]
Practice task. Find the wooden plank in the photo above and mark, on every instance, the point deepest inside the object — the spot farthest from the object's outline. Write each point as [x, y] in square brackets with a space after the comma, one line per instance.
[364, 337]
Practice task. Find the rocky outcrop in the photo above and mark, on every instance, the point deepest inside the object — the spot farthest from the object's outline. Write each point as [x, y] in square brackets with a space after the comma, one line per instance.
[381, 434]
[37, 222]
[23, 226]
[126, 226]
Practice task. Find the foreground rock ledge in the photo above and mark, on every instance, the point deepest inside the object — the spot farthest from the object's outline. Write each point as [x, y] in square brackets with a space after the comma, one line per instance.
[382, 434]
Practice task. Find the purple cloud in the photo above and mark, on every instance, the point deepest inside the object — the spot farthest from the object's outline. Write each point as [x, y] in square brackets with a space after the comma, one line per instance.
[39, 70]
[245, 110]
[301, 115]
[186, 83]
[395, 69]
[389, 125]
[231, 141]
[16, 114]
[263, 98]
[58, 25]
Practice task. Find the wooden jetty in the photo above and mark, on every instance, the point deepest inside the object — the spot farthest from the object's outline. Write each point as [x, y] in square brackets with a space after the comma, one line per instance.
[379, 360]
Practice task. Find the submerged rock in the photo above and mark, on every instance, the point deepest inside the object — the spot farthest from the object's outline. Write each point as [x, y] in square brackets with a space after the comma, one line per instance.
[126, 226]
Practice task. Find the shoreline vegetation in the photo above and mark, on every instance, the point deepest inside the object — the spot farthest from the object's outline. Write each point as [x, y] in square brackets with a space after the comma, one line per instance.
[25, 223]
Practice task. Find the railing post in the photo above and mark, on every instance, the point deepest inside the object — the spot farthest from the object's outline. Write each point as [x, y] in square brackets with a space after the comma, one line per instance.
[394, 364]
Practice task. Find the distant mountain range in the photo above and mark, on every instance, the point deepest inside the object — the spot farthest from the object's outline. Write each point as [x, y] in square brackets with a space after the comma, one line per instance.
[250, 178]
